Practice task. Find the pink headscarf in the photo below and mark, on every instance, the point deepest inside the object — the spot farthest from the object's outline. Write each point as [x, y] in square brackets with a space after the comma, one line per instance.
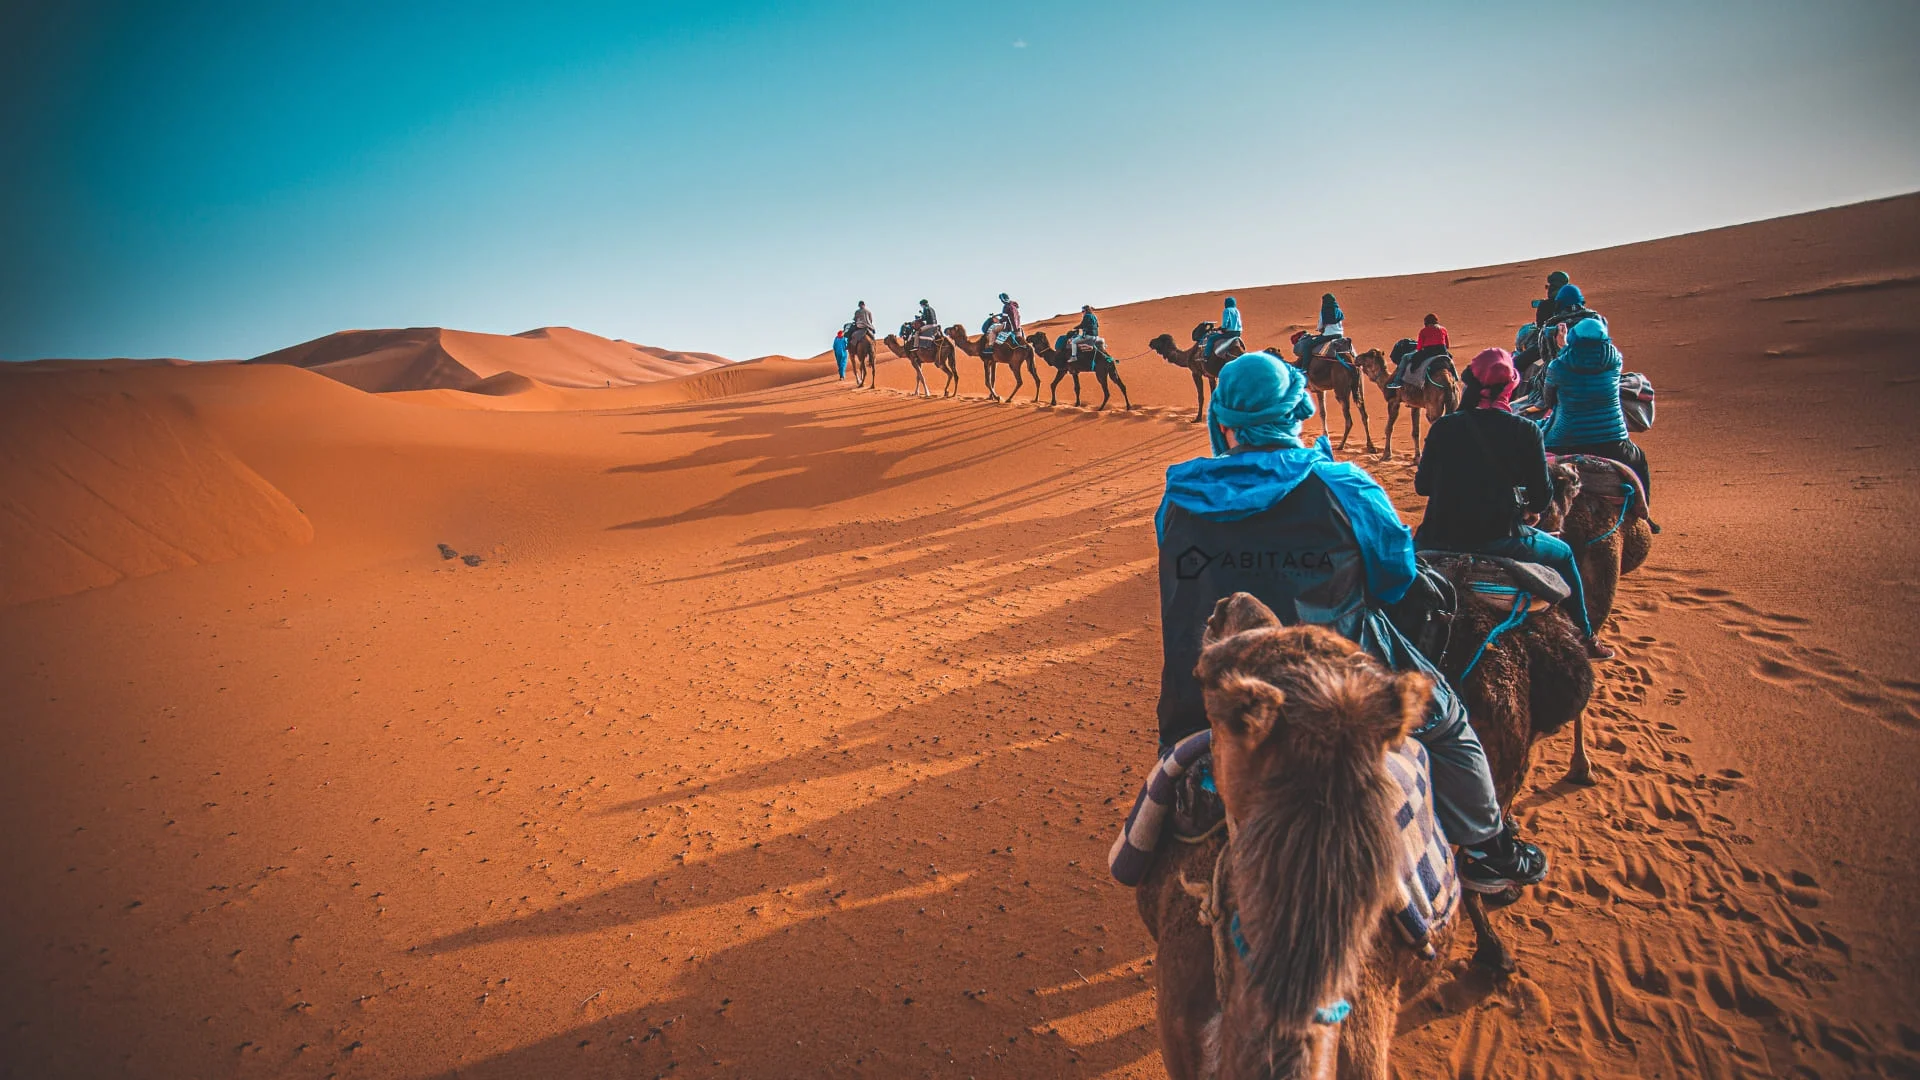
[1495, 372]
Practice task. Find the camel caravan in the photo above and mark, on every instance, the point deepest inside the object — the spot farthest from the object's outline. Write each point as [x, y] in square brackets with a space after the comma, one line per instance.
[1348, 708]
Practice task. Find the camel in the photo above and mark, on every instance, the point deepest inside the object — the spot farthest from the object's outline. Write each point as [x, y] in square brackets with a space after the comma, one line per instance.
[992, 357]
[1201, 366]
[1325, 373]
[1308, 863]
[860, 352]
[1440, 396]
[1594, 513]
[1525, 685]
[938, 352]
[1064, 364]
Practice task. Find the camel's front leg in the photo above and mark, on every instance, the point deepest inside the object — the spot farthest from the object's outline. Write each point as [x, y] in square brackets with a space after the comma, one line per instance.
[1416, 414]
[1346, 413]
[1393, 417]
[1199, 398]
[992, 395]
[1076, 389]
[1034, 372]
[1360, 402]
[1123, 390]
[1053, 392]
[1106, 395]
[1320, 406]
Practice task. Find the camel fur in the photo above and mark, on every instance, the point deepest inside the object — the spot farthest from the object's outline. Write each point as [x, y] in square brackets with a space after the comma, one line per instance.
[1302, 721]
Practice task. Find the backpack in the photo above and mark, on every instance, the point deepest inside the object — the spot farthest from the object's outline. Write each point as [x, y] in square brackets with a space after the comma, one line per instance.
[1636, 401]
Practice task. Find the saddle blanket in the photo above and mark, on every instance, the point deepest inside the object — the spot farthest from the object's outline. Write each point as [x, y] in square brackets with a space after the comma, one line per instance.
[1429, 888]
[1089, 344]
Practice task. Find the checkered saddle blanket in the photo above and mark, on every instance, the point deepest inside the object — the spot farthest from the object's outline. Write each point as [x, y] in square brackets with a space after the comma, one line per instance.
[1178, 796]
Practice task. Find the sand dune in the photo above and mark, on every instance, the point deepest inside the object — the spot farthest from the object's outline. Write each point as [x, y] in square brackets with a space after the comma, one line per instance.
[780, 730]
[430, 358]
[103, 485]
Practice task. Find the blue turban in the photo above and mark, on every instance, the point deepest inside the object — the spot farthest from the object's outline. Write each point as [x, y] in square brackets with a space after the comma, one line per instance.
[1589, 329]
[1262, 398]
[1569, 297]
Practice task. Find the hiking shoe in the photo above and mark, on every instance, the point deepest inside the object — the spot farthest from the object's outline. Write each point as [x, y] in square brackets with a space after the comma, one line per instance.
[1501, 863]
[1597, 650]
[1394, 385]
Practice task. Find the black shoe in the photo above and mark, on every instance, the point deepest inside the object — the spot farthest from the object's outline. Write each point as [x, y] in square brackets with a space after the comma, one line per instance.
[1394, 385]
[1501, 863]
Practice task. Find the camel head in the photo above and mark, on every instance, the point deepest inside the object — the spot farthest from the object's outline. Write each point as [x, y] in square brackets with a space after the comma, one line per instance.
[1167, 349]
[1566, 488]
[958, 335]
[1302, 720]
[895, 345]
[1372, 364]
[1042, 347]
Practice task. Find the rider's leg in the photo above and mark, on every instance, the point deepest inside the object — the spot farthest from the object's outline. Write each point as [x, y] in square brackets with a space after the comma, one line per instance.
[1492, 858]
[1556, 554]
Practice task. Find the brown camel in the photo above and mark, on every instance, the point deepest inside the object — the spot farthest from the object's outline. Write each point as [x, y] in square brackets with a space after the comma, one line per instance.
[1593, 512]
[1308, 863]
[1325, 373]
[1440, 396]
[860, 352]
[938, 351]
[1064, 363]
[1201, 366]
[1525, 685]
[992, 357]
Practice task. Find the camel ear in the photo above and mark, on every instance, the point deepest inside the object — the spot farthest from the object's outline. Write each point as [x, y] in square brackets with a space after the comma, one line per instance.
[1246, 705]
[1414, 692]
[1237, 613]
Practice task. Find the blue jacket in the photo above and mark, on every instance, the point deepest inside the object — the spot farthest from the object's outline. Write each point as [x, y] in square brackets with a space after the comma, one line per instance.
[1331, 314]
[1314, 539]
[1089, 325]
[840, 348]
[1230, 320]
[1583, 385]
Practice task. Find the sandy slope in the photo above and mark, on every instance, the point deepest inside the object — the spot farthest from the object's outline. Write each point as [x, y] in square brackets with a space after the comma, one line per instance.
[430, 358]
[783, 732]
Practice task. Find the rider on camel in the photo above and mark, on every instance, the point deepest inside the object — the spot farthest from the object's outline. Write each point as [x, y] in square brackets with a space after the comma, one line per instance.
[1315, 540]
[1332, 324]
[926, 318]
[863, 319]
[1010, 320]
[1211, 334]
[1484, 473]
[1545, 309]
[1432, 342]
[1583, 390]
[1088, 329]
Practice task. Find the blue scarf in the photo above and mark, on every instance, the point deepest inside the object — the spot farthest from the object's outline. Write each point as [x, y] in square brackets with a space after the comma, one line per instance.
[1262, 399]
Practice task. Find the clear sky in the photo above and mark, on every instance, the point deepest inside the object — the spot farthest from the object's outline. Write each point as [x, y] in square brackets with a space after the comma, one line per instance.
[220, 180]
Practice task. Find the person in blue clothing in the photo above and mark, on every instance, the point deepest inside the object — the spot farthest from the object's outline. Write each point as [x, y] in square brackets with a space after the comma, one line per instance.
[1583, 390]
[1317, 541]
[1230, 319]
[840, 352]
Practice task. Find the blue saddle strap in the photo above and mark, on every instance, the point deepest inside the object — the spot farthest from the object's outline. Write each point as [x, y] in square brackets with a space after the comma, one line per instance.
[1325, 1014]
[1522, 604]
[1626, 504]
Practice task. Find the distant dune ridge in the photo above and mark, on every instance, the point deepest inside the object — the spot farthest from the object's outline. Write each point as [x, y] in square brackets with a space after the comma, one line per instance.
[432, 358]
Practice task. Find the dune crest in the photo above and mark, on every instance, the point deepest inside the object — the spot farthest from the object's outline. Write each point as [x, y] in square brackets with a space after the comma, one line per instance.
[433, 358]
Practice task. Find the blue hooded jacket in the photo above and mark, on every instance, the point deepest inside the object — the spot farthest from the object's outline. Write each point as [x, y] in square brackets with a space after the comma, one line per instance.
[1330, 313]
[1584, 383]
[1315, 539]
[1230, 318]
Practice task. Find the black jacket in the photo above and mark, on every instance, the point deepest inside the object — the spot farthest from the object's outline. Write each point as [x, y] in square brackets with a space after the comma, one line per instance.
[1470, 483]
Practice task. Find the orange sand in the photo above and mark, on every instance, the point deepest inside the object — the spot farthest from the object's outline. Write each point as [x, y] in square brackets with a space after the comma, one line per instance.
[781, 730]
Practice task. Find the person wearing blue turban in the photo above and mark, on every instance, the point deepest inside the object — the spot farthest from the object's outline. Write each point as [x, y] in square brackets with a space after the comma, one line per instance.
[1317, 541]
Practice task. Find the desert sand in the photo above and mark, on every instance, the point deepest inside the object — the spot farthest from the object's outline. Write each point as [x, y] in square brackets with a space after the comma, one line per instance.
[743, 724]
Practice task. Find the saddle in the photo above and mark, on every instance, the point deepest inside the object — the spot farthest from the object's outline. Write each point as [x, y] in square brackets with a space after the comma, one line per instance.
[1608, 479]
[1179, 800]
[1097, 346]
[1491, 580]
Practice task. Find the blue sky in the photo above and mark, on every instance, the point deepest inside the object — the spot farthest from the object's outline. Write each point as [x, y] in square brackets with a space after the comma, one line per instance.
[221, 180]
